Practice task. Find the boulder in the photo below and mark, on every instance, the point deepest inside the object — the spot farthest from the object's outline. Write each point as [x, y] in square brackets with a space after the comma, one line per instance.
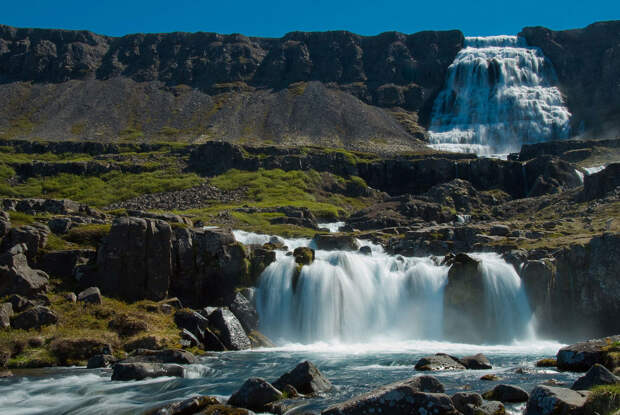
[490, 408]
[476, 362]
[305, 378]
[36, 317]
[100, 361]
[335, 242]
[193, 322]
[90, 295]
[255, 394]
[161, 356]
[550, 400]
[186, 407]
[260, 259]
[59, 225]
[188, 339]
[6, 312]
[466, 401]
[500, 230]
[580, 357]
[135, 260]
[229, 329]
[245, 312]
[64, 264]
[439, 361]
[304, 255]
[20, 303]
[33, 236]
[597, 375]
[491, 377]
[365, 250]
[16, 276]
[506, 393]
[139, 371]
[395, 399]
[70, 297]
[5, 223]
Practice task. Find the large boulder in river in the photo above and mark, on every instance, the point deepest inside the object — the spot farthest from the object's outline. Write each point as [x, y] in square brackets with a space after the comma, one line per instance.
[506, 393]
[335, 242]
[550, 400]
[139, 371]
[245, 312]
[580, 357]
[466, 401]
[16, 276]
[229, 329]
[255, 394]
[305, 378]
[400, 398]
[597, 375]
[439, 361]
[135, 259]
[476, 362]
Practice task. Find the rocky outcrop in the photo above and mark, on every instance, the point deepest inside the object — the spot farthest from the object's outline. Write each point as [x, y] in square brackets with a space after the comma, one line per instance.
[245, 312]
[16, 276]
[306, 378]
[549, 400]
[580, 357]
[333, 242]
[597, 375]
[135, 260]
[412, 396]
[597, 185]
[587, 63]
[91, 295]
[36, 317]
[229, 329]
[33, 236]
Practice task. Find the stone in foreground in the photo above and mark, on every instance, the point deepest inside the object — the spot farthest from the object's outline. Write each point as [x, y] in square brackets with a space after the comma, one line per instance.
[597, 375]
[401, 398]
[507, 393]
[549, 400]
[306, 378]
[580, 357]
[255, 394]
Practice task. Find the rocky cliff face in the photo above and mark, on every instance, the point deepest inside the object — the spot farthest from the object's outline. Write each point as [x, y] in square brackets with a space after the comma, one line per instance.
[587, 62]
[193, 84]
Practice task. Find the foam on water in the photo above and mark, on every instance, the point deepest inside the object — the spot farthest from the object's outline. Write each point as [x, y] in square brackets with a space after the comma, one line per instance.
[500, 93]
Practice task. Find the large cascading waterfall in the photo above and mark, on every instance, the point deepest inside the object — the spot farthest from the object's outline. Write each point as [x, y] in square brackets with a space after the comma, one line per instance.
[499, 95]
[348, 297]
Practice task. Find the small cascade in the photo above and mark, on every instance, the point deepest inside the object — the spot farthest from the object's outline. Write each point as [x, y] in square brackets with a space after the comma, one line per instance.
[348, 297]
[499, 95]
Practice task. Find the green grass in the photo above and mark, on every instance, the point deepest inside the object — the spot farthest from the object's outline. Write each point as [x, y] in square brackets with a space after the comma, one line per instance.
[103, 190]
[604, 400]
[89, 236]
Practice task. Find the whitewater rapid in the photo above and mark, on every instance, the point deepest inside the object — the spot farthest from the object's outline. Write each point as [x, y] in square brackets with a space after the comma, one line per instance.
[381, 301]
[500, 93]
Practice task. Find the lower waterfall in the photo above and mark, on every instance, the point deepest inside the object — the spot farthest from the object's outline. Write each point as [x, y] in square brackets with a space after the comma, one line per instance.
[349, 297]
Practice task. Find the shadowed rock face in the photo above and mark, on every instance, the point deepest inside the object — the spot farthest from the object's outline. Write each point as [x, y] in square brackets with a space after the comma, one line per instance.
[227, 86]
[587, 62]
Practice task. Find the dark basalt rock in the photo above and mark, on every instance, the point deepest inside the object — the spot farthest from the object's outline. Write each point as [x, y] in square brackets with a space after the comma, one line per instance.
[36, 317]
[63, 264]
[90, 295]
[101, 361]
[476, 362]
[549, 400]
[33, 236]
[580, 357]
[70, 351]
[599, 184]
[139, 371]
[231, 331]
[396, 398]
[438, 361]
[304, 255]
[188, 406]
[506, 393]
[255, 394]
[465, 402]
[597, 375]
[245, 312]
[305, 378]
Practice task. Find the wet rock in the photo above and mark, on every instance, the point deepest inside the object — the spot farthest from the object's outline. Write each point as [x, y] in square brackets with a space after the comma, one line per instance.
[439, 361]
[6, 312]
[230, 330]
[186, 407]
[490, 408]
[100, 361]
[506, 393]
[304, 255]
[580, 357]
[255, 394]
[476, 362]
[258, 339]
[550, 400]
[395, 399]
[16, 276]
[335, 242]
[161, 356]
[90, 295]
[466, 401]
[597, 375]
[490, 377]
[305, 378]
[36, 317]
[260, 259]
[244, 311]
[188, 339]
[365, 250]
[139, 371]
[547, 363]
[212, 342]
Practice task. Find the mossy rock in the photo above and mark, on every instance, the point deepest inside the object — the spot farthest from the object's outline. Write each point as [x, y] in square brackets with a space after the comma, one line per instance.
[304, 255]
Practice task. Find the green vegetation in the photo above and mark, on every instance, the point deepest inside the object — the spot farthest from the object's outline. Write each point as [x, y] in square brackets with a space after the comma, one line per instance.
[604, 400]
[88, 235]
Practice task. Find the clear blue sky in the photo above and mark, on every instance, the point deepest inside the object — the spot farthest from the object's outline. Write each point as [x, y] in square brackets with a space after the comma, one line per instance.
[275, 18]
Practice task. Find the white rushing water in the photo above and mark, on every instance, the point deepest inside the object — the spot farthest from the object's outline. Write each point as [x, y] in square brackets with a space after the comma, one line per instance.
[499, 95]
[351, 298]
